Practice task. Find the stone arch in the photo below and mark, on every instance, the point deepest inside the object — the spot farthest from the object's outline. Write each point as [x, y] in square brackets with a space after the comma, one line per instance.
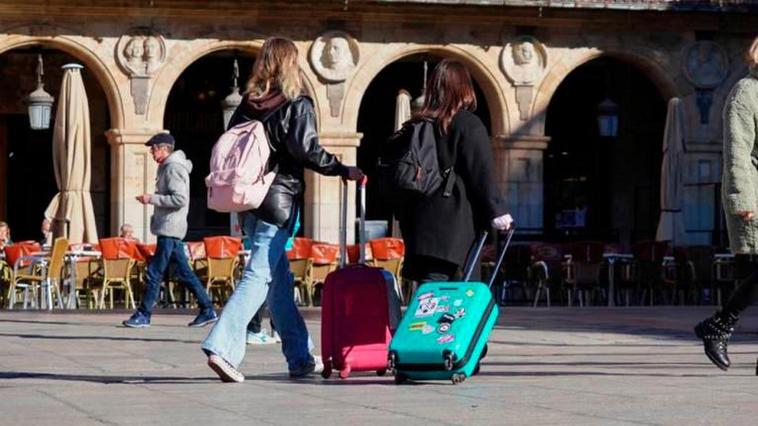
[168, 75]
[656, 71]
[483, 73]
[90, 59]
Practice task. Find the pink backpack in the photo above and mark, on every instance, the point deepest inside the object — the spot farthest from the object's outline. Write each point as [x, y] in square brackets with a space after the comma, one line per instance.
[238, 180]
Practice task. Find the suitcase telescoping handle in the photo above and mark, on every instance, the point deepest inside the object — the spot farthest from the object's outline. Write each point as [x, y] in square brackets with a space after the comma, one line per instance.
[472, 262]
[361, 225]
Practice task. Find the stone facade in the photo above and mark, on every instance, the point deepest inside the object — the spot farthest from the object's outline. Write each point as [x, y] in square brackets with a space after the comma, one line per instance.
[137, 53]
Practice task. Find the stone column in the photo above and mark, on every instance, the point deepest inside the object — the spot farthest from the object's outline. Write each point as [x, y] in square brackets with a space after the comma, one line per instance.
[322, 195]
[132, 173]
[519, 165]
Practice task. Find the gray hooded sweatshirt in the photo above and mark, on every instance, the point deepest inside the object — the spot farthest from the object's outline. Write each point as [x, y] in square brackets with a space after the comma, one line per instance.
[171, 198]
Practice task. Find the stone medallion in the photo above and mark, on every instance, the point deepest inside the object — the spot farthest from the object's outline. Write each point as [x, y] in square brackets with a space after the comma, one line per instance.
[523, 60]
[141, 53]
[705, 64]
[334, 55]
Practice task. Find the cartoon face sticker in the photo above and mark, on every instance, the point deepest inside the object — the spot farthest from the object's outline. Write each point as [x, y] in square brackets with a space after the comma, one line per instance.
[460, 313]
[444, 328]
[469, 292]
[428, 329]
[427, 307]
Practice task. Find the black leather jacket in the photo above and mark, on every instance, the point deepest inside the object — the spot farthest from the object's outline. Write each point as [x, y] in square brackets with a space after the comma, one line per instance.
[291, 129]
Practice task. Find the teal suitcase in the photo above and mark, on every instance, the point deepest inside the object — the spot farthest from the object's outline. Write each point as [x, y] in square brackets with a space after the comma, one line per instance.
[443, 333]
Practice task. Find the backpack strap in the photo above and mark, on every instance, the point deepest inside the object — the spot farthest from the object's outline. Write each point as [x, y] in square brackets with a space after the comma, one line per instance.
[448, 172]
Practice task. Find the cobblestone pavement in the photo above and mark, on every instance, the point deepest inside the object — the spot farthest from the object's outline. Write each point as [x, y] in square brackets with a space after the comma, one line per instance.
[581, 366]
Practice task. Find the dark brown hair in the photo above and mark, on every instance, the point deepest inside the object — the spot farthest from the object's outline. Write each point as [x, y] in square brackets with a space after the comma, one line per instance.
[449, 89]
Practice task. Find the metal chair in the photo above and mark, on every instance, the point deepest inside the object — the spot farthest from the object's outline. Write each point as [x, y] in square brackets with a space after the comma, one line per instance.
[119, 258]
[222, 256]
[44, 273]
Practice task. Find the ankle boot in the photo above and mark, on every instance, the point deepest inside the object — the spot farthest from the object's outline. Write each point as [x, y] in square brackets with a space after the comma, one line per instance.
[715, 333]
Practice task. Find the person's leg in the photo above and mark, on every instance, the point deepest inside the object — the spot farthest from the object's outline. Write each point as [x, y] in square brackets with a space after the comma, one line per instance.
[286, 316]
[187, 276]
[227, 339]
[154, 275]
[717, 330]
[255, 324]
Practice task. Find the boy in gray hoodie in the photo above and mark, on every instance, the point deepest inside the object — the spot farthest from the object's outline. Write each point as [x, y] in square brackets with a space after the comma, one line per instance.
[169, 224]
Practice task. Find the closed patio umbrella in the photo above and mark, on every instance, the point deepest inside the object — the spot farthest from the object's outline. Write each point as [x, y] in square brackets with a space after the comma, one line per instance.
[402, 114]
[671, 223]
[71, 209]
[402, 108]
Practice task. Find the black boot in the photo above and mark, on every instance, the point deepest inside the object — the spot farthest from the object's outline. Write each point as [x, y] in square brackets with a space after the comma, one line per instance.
[715, 333]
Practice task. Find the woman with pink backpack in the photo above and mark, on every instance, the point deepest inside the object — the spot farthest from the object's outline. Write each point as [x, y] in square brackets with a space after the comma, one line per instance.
[275, 98]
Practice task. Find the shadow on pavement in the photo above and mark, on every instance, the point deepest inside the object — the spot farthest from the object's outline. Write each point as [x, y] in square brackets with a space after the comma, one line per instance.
[125, 380]
[113, 338]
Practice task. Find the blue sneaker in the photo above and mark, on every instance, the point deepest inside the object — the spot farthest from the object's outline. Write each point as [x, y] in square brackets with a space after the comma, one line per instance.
[204, 318]
[137, 320]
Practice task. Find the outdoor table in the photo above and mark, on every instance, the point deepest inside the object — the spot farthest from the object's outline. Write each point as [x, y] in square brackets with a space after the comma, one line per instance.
[71, 258]
[612, 258]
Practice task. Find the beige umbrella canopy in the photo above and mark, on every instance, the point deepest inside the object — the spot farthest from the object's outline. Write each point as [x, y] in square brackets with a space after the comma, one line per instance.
[402, 108]
[671, 223]
[71, 209]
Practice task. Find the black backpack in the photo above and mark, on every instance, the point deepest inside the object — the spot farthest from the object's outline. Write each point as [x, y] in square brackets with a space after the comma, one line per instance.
[408, 163]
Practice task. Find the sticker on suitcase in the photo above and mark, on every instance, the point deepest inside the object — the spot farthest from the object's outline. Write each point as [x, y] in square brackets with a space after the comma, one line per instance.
[427, 307]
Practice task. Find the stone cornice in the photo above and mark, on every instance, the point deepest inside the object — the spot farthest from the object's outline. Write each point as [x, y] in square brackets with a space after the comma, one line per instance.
[338, 13]
[341, 139]
[521, 142]
[131, 136]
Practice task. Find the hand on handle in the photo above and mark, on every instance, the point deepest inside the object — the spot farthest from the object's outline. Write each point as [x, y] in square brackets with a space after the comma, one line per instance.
[354, 173]
[502, 223]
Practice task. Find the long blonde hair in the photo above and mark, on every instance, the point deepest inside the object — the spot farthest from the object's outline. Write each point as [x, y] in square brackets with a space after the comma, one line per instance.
[752, 55]
[276, 67]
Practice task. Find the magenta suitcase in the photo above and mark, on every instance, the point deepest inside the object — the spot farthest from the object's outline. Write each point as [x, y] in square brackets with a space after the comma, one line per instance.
[359, 311]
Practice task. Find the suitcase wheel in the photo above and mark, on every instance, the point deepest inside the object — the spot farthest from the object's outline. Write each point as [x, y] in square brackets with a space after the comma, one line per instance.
[484, 352]
[400, 378]
[327, 372]
[458, 378]
[381, 372]
[476, 369]
[345, 372]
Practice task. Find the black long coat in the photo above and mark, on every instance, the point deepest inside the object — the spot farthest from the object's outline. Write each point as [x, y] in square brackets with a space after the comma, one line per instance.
[445, 227]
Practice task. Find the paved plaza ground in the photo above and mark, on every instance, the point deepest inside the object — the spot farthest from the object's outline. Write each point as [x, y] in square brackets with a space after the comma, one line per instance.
[583, 366]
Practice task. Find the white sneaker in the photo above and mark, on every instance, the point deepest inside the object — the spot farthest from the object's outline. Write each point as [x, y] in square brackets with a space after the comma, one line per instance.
[276, 337]
[259, 338]
[319, 364]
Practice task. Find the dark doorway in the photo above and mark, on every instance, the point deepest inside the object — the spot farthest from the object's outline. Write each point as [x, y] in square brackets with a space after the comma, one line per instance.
[603, 188]
[376, 118]
[27, 166]
[194, 116]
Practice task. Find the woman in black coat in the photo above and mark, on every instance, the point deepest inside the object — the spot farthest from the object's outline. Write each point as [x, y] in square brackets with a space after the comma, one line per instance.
[439, 231]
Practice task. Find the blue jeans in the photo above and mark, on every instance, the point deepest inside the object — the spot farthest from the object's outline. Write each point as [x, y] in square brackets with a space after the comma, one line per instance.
[169, 250]
[266, 278]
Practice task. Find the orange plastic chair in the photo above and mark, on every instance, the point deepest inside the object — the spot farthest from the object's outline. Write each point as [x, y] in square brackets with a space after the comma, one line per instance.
[301, 266]
[389, 253]
[222, 255]
[119, 257]
[325, 258]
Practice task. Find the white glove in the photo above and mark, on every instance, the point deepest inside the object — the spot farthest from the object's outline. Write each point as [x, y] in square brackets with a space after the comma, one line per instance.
[502, 223]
